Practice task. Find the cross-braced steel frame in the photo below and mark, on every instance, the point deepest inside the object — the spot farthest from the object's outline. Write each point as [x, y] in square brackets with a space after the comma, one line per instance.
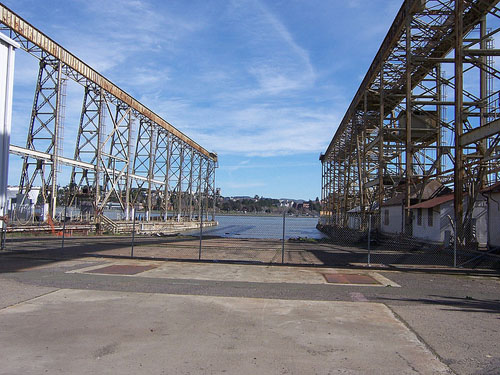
[428, 108]
[124, 152]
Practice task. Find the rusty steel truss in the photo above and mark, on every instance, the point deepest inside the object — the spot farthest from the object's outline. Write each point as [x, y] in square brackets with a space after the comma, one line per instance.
[428, 109]
[124, 151]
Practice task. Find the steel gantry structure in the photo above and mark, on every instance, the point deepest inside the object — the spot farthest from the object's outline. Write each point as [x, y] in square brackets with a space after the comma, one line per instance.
[427, 109]
[124, 151]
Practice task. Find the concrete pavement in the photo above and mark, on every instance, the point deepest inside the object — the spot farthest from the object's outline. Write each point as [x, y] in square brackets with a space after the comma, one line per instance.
[70, 316]
[85, 331]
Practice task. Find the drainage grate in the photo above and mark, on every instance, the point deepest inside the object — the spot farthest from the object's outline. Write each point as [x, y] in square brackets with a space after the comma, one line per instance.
[343, 278]
[122, 269]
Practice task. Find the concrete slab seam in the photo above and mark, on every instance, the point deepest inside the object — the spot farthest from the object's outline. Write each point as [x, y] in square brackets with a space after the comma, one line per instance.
[29, 300]
[419, 338]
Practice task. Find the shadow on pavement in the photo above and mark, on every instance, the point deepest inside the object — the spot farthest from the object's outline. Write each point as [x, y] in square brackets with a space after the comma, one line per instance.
[465, 304]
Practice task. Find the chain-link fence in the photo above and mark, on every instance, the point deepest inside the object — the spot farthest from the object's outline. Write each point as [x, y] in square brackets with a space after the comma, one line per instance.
[358, 239]
[426, 239]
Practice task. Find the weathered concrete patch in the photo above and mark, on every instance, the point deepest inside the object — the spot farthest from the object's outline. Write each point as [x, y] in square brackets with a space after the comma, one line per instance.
[83, 331]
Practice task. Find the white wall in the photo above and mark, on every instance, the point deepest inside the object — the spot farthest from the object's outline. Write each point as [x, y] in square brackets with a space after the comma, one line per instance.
[480, 213]
[395, 225]
[424, 231]
[354, 221]
[494, 219]
[441, 224]
[446, 211]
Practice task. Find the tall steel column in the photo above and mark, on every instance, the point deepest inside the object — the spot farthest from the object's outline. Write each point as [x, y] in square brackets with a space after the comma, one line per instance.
[161, 171]
[86, 141]
[142, 164]
[44, 132]
[409, 115]
[459, 173]
[115, 154]
[381, 159]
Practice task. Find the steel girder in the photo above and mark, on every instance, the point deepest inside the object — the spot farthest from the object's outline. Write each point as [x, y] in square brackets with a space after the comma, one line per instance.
[164, 171]
[86, 142]
[427, 109]
[45, 132]
[36, 43]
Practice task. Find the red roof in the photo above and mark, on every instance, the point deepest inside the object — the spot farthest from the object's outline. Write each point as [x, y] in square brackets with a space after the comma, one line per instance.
[434, 202]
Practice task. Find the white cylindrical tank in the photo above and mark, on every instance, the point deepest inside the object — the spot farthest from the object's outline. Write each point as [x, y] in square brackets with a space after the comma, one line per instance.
[7, 47]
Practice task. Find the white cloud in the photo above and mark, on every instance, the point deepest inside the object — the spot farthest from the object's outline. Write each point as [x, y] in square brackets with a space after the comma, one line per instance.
[244, 185]
[254, 165]
[268, 132]
[277, 62]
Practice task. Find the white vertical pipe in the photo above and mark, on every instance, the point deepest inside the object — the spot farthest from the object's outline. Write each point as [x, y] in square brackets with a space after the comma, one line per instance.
[7, 47]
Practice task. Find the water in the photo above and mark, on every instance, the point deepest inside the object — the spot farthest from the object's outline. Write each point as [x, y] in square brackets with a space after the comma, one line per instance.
[244, 226]
[264, 227]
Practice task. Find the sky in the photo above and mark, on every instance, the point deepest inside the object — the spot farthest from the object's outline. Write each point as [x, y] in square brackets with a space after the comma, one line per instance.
[264, 84]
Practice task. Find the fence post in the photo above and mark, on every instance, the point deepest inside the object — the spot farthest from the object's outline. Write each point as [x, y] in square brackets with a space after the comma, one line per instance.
[455, 243]
[64, 226]
[283, 240]
[369, 237]
[201, 232]
[133, 233]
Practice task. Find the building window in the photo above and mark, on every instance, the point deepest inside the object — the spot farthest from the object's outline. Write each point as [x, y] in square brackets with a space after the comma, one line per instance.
[430, 217]
[419, 216]
[386, 217]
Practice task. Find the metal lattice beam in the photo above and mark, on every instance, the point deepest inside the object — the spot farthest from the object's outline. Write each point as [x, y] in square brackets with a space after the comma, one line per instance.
[426, 109]
[151, 163]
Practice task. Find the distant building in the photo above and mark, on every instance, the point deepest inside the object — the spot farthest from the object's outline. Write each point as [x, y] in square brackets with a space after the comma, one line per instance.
[354, 220]
[392, 220]
[240, 198]
[287, 203]
[393, 210]
[13, 196]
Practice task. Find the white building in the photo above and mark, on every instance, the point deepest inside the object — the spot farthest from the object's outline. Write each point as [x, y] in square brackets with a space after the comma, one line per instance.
[354, 218]
[393, 210]
[14, 198]
[432, 220]
[392, 220]
[492, 196]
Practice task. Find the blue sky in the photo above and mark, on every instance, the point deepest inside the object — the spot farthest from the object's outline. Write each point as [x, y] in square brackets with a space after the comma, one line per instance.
[262, 83]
